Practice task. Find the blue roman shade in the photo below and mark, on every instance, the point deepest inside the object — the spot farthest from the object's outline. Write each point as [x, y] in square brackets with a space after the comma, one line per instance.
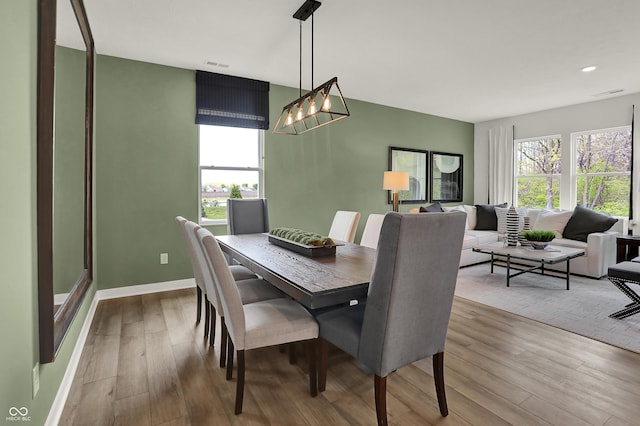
[225, 100]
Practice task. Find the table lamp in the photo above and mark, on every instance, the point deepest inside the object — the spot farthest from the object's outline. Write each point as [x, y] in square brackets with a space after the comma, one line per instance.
[394, 182]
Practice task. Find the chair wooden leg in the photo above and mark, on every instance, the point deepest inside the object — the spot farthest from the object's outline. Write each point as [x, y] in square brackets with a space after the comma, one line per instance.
[323, 349]
[240, 382]
[207, 318]
[212, 329]
[438, 375]
[198, 304]
[229, 359]
[312, 347]
[224, 336]
[380, 387]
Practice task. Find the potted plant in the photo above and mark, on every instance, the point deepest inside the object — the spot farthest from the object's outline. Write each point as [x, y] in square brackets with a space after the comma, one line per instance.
[538, 239]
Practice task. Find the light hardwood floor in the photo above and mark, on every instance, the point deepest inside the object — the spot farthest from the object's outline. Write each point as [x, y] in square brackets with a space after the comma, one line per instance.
[145, 362]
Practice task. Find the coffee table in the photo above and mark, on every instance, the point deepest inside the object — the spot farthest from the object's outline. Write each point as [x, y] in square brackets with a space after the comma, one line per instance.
[511, 254]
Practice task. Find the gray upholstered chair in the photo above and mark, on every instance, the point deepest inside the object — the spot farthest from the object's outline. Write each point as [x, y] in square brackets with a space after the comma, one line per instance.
[260, 324]
[408, 305]
[251, 290]
[247, 216]
[196, 271]
[371, 232]
[344, 225]
[254, 289]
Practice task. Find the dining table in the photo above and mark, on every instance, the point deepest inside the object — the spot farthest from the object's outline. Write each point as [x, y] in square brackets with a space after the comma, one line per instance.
[315, 282]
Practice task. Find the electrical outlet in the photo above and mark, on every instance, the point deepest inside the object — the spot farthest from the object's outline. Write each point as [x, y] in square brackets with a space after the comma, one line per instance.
[164, 258]
[36, 379]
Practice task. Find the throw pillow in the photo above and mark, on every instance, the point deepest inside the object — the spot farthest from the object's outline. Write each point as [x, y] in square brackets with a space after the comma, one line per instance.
[486, 219]
[584, 221]
[457, 209]
[471, 216]
[552, 221]
[435, 207]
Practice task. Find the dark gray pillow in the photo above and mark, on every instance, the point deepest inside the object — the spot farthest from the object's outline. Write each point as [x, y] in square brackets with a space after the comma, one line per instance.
[585, 221]
[435, 207]
[486, 219]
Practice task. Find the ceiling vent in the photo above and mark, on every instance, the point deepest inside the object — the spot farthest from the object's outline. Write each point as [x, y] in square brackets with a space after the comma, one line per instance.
[609, 92]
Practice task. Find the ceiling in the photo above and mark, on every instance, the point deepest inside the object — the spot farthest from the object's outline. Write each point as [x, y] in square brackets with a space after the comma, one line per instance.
[469, 60]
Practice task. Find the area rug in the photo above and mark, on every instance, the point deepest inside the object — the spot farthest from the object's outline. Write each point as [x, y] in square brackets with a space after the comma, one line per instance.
[584, 309]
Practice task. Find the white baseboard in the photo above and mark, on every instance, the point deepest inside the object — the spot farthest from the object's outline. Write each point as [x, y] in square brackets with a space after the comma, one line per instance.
[67, 380]
[135, 290]
[65, 386]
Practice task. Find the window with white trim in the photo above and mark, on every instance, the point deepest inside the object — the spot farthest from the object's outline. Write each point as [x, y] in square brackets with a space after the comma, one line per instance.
[537, 172]
[603, 169]
[230, 167]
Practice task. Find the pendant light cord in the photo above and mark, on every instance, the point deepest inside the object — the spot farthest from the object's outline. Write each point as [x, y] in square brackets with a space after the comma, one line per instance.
[300, 82]
[312, 14]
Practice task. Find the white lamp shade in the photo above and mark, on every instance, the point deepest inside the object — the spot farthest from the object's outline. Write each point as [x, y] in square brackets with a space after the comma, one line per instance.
[396, 181]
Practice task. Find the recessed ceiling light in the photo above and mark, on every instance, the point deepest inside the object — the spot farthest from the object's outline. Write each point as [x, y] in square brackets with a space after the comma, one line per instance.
[589, 68]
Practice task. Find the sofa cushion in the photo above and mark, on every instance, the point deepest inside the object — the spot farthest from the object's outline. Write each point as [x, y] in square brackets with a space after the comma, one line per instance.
[474, 238]
[565, 242]
[486, 219]
[585, 221]
[552, 221]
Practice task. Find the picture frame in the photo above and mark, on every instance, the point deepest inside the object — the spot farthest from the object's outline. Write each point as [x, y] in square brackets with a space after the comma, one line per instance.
[414, 162]
[446, 177]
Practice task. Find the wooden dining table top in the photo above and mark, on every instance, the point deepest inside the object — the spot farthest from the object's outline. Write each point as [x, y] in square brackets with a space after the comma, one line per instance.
[315, 282]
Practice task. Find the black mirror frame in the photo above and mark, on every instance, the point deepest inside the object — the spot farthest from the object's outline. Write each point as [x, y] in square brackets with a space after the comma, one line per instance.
[458, 178]
[54, 325]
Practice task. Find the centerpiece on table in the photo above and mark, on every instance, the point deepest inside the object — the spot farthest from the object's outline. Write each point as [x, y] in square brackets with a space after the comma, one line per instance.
[538, 239]
[303, 242]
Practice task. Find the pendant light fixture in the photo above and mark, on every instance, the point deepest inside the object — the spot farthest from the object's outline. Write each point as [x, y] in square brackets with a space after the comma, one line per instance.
[322, 105]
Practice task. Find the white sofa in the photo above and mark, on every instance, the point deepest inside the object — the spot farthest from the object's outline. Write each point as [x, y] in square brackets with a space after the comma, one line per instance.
[600, 248]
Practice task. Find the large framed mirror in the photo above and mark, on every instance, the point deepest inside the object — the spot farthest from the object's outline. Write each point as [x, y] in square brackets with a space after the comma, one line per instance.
[414, 162]
[64, 167]
[446, 177]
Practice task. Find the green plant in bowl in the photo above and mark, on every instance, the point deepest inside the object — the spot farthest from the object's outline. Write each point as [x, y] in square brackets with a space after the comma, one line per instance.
[538, 239]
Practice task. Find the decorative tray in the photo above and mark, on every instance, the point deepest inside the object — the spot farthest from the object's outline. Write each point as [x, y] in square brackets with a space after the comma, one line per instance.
[310, 251]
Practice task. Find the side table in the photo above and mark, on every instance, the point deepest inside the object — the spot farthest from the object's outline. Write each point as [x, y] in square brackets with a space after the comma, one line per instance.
[627, 247]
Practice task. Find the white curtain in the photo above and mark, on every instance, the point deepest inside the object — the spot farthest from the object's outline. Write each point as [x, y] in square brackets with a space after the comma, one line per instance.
[635, 179]
[500, 165]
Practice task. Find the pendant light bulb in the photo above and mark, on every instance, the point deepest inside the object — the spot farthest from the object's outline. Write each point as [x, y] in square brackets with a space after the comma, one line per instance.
[312, 107]
[289, 119]
[326, 104]
[299, 113]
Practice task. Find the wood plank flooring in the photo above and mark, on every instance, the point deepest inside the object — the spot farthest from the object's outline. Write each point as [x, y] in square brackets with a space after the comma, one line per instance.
[145, 362]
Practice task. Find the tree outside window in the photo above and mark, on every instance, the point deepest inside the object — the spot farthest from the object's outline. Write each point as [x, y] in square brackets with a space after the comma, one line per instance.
[230, 167]
[537, 170]
[603, 170]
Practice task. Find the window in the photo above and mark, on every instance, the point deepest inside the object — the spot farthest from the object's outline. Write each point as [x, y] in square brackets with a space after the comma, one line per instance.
[603, 170]
[537, 172]
[230, 167]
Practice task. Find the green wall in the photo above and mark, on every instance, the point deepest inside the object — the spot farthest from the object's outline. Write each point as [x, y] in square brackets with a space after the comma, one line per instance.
[18, 274]
[340, 166]
[147, 153]
[146, 170]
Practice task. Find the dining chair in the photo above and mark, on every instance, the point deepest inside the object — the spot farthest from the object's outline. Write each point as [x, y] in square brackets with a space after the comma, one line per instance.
[344, 226]
[408, 305]
[247, 216]
[251, 290]
[371, 232]
[260, 324]
[194, 267]
[254, 289]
